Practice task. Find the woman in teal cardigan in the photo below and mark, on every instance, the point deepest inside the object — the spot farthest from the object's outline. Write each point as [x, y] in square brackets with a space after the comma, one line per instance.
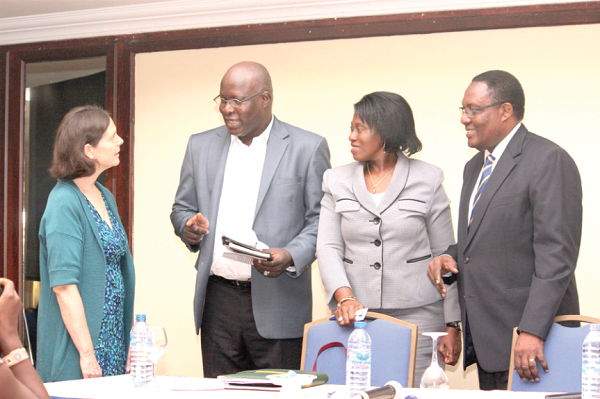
[87, 275]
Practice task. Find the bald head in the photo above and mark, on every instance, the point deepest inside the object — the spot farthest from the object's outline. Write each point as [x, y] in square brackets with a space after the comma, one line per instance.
[250, 84]
[252, 72]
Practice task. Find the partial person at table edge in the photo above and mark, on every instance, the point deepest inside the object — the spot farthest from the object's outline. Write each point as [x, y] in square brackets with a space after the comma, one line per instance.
[18, 378]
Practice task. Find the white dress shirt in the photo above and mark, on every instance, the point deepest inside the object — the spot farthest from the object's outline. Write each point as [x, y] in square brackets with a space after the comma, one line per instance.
[237, 206]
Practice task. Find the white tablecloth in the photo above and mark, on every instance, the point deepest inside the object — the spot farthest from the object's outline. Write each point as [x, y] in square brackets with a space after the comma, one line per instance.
[122, 387]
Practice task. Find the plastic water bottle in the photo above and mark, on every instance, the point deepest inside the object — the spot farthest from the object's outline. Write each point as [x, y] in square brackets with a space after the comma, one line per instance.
[141, 366]
[590, 366]
[358, 362]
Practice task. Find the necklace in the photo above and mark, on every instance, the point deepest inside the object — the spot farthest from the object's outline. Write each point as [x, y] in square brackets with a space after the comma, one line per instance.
[373, 181]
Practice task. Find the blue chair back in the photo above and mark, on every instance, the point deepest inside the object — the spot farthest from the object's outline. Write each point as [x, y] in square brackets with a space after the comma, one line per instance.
[562, 350]
[393, 349]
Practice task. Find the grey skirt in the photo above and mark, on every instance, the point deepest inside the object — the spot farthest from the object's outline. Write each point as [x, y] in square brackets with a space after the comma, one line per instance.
[428, 318]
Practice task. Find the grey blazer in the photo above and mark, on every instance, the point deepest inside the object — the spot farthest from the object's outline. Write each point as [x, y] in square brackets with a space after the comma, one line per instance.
[287, 216]
[382, 252]
[517, 261]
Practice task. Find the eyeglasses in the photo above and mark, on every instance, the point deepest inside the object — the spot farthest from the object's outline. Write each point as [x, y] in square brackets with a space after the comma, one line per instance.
[234, 102]
[474, 111]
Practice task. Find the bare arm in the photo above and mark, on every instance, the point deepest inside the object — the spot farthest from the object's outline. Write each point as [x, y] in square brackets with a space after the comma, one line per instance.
[73, 314]
[12, 387]
[20, 380]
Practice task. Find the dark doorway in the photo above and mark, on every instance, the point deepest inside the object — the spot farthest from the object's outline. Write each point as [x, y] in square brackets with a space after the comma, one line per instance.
[47, 104]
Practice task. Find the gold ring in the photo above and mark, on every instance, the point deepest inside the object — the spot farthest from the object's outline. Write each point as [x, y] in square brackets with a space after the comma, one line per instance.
[266, 273]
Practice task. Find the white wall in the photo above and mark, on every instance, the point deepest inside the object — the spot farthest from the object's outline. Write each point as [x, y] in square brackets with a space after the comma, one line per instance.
[315, 85]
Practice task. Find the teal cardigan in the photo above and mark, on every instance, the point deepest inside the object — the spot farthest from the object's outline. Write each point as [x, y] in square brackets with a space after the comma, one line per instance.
[71, 253]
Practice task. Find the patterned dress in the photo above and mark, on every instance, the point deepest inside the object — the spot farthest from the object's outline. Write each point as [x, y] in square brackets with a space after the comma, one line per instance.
[110, 349]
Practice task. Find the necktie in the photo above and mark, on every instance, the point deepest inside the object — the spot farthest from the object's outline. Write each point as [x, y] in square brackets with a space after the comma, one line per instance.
[487, 171]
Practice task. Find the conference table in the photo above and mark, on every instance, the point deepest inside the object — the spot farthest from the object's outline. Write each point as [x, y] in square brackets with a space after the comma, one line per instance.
[172, 387]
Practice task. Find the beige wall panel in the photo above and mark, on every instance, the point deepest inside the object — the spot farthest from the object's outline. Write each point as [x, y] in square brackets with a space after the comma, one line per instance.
[315, 85]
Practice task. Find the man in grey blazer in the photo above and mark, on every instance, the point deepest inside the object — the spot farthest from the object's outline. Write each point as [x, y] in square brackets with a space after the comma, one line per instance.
[257, 180]
[519, 232]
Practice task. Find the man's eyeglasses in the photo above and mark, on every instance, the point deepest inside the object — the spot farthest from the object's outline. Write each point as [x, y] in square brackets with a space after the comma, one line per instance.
[234, 102]
[474, 111]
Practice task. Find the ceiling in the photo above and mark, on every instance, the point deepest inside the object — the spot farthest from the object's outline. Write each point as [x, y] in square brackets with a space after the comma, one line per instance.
[27, 21]
[30, 21]
[23, 8]
[43, 73]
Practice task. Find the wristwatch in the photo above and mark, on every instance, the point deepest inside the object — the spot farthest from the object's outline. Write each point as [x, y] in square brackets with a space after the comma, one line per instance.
[453, 324]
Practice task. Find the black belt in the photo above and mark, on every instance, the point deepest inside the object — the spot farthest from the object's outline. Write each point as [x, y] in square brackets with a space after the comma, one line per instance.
[234, 283]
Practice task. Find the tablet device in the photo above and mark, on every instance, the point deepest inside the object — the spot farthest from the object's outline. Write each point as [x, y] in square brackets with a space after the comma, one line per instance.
[245, 249]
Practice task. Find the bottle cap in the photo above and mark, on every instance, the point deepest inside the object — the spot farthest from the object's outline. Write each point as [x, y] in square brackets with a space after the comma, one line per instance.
[140, 317]
[594, 327]
[360, 324]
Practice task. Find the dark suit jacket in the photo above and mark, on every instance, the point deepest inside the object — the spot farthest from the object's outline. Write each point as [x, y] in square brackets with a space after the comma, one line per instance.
[517, 261]
[287, 216]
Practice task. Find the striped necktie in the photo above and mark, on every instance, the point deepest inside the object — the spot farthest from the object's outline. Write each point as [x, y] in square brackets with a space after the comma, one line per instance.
[485, 176]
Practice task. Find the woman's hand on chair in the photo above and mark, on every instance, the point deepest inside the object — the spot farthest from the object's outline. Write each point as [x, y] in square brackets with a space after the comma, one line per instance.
[344, 314]
[347, 305]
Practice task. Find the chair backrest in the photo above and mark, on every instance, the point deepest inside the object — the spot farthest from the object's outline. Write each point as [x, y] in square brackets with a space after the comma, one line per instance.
[562, 350]
[393, 349]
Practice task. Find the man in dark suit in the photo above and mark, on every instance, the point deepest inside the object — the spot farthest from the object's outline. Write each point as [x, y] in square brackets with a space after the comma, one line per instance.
[256, 180]
[519, 232]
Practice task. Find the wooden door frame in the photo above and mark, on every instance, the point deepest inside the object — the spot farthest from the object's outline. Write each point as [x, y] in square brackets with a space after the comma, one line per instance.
[118, 96]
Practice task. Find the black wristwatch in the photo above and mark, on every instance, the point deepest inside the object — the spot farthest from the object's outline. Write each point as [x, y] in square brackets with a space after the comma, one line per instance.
[453, 324]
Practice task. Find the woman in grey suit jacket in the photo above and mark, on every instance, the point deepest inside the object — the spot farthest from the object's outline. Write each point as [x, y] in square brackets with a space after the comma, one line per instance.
[383, 218]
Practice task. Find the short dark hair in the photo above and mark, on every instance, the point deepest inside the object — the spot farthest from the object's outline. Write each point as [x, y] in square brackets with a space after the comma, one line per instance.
[391, 117]
[80, 126]
[503, 86]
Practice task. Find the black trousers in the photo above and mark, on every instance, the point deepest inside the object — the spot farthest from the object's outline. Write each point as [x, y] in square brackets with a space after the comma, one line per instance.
[491, 381]
[487, 381]
[230, 339]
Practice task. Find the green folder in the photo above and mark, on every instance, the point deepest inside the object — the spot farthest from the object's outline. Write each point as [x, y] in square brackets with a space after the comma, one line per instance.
[257, 379]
